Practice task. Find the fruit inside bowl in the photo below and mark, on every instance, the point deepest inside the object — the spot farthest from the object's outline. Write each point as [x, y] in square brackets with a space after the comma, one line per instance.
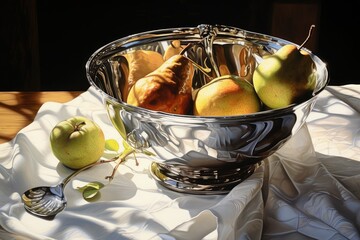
[196, 97]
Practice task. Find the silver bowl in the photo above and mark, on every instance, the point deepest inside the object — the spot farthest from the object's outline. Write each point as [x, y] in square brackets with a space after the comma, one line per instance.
[200, 155]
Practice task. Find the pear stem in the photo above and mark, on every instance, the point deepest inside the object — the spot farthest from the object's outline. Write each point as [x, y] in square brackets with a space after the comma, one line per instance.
[308, 37]
[203, 70]
[185, 48]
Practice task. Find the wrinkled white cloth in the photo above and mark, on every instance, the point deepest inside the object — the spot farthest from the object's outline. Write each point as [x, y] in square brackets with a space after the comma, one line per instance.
[309, 189]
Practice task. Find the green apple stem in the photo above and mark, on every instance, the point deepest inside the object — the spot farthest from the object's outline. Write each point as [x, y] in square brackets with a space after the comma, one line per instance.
[79, 125]
[308, 37]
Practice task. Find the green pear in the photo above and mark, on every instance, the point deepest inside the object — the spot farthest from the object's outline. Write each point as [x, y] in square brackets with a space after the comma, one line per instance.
[288, 76]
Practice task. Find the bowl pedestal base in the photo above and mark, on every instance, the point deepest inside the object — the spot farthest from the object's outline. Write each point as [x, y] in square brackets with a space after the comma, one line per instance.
[202, 181]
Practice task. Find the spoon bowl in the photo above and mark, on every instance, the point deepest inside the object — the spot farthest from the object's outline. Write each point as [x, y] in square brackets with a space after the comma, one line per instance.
[47, 201]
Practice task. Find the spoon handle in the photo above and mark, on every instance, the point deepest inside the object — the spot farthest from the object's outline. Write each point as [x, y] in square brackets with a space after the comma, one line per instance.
[72, 175]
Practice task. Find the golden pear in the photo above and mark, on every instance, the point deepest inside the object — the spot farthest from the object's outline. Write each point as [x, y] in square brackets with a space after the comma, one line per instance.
[227, 95]
[167, 89]
[140, 63]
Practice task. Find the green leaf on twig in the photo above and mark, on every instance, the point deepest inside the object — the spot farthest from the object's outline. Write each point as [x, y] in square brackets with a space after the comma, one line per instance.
[112, 145]
[91, 190]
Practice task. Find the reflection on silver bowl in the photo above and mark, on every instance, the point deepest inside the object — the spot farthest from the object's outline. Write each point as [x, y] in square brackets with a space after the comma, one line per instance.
[201, 155]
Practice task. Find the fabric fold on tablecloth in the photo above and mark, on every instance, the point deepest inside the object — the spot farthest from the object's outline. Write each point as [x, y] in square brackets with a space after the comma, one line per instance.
[306, 190]
[305, 200]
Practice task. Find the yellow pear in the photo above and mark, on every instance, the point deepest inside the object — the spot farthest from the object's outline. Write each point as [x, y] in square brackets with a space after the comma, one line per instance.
[141, 63]
[227, 95]
[288, 76]
[167, 89]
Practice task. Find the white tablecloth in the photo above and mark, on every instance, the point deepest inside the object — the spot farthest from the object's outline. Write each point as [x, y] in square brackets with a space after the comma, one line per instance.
[309, 189]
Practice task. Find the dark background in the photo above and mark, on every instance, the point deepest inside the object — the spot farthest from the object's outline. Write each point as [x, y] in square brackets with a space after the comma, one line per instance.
[45, 44]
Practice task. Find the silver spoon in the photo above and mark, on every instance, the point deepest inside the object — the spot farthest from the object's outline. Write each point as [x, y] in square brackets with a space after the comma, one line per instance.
[47, 201]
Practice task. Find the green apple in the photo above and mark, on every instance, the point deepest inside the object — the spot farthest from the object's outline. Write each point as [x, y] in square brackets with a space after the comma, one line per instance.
[77, 142]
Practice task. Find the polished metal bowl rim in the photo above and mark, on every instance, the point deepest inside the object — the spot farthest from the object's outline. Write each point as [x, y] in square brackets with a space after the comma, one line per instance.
[245, 117]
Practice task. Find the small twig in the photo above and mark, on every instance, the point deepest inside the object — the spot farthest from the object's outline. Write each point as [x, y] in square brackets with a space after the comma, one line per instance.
[122, 158]
[110, 160]
[136, 161]
[67, 179]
